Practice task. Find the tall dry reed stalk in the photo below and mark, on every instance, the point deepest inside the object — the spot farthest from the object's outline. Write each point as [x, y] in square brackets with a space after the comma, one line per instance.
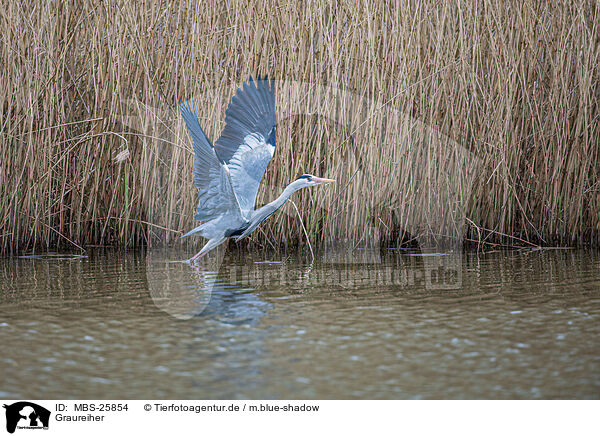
[476, 120]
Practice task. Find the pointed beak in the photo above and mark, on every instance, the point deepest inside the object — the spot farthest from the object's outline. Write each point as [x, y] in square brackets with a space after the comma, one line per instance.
[320, 180]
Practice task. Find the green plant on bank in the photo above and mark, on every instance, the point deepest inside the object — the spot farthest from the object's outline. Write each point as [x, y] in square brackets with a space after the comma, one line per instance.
[492, 102]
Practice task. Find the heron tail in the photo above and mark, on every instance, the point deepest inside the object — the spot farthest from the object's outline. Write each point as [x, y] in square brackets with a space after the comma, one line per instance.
[191, 232]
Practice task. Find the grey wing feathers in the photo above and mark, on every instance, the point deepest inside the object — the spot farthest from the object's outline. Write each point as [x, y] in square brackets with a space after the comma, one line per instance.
[204, 153]
[248, 139]
[215, 195]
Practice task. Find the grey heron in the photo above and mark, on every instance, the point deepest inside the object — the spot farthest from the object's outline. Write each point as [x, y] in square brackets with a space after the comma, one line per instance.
[228, 174]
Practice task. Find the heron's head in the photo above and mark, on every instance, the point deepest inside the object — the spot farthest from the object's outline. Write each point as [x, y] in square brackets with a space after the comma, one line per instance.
[310, 180]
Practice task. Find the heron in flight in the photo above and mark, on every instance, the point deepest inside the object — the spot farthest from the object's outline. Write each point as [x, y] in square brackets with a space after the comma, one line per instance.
[228, 174]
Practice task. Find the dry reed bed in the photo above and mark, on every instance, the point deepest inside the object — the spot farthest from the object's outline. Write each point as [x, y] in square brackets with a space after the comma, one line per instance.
[439, 121]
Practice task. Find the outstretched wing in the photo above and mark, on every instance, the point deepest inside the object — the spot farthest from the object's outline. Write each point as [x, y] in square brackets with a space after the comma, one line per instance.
[215, 196]
[247, 143]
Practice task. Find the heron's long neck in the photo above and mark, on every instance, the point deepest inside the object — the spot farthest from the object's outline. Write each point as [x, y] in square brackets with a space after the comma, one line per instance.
[267, 210]
[285, 195]
[264, 212]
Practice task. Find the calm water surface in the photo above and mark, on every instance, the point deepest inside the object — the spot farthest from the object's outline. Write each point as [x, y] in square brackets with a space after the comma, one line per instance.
[386, 324]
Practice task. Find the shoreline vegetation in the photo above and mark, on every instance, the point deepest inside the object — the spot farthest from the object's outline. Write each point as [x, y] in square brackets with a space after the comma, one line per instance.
[476, 123]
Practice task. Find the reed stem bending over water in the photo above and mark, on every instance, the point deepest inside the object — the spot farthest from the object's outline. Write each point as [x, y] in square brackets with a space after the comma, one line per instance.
[382, 95]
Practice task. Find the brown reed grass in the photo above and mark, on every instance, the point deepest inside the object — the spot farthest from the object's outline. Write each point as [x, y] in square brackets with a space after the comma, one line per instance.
[470, 121]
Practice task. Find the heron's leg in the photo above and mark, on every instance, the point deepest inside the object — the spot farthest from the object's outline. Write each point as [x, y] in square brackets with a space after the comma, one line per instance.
[198, 255]
[215, 242]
